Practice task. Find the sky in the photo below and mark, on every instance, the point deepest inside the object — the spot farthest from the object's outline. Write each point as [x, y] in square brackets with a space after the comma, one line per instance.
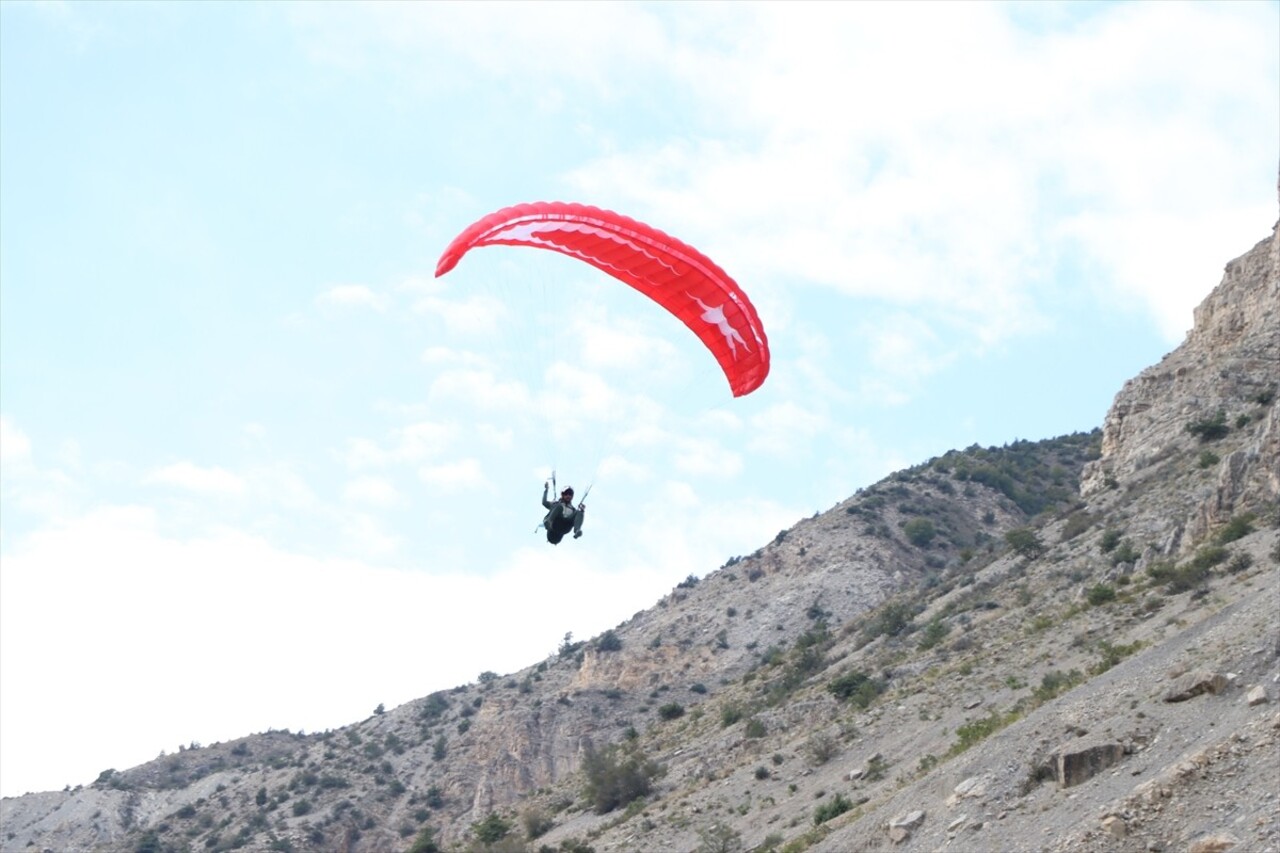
[260, 469]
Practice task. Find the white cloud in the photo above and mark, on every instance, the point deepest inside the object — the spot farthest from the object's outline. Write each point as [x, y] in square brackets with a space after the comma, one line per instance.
[195, 478]
[14, 444]
[538, 51]
[409, 444]
[278, 486]
[373, 491]
[368, 536]
[44, 492]
[575, 394]
[453, 357]
[618, 469]
[940, 192]
[785, 429]
[703, 457]
[121, 568]
[474, 316]
[905, 348]
[481, 389]
[611, 344]
[353, 295]
[463, 475]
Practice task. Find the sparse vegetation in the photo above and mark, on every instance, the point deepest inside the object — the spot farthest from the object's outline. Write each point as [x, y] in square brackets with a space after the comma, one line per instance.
[493, 828]
[919, 532]
[1100, 594]
[617, 775]
[1210, 429]
[978, 730]
[425, 842]
[1025, 542]
[856, 687]
[988, 633]
[833, 807]
[671, 711]
[1124, 553]
[719, 838]
[1110, 655]
[609, 641]
[876, 768]
[536, 822]
[889, 620]
[1238, 527]
[821, 748]
[1077, 523]
[1188, 575]
[934, 632]
[1054, 683]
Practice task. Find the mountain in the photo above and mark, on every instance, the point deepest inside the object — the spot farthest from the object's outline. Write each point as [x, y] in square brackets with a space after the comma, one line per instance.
[1048, 646]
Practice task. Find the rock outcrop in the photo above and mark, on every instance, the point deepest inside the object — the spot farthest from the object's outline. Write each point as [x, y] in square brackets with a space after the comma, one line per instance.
[1225, 377]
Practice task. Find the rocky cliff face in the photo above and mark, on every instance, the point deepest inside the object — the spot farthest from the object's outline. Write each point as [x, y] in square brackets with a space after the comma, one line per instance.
[1226, 370]
[1070, 644]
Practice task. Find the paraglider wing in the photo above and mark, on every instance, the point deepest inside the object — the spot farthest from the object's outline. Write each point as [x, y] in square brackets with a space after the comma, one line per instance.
[670, 272]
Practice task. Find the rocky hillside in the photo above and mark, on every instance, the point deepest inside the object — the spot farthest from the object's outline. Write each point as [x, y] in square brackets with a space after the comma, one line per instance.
[1058, 645]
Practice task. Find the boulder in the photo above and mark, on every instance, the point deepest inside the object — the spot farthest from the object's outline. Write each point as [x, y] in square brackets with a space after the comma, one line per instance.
[1078, 763]
[1195, 683]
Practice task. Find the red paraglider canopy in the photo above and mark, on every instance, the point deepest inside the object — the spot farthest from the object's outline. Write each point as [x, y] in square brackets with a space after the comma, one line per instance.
[670, 272]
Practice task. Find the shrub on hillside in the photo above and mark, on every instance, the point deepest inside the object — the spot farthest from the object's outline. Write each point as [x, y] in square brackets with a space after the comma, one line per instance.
[1077, 523]
[1180, 578]
[856, 687]
[933, 633]
[1238, 527]
[821, 748]
[1024, 542]
[1125, 553]
[536, 822]
[1210, 429]
[671, 711]
[891, 619]
[492, 828]
[1100, 594]
[616, 776]
[919, 532]
[426, 842]
[834, 807]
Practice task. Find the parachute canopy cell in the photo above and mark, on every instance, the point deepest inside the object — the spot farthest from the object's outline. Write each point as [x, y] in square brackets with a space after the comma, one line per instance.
[670, 272]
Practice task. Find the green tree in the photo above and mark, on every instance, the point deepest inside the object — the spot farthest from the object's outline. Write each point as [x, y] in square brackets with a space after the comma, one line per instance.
[1210, 429]
[834, 807]
[149, 843]
[919, 532]
[1100, 594]
[425, 842]
[492, 828]
[934, 633]
[1237, 528]
[857, 687]
[617, 775]
[671, 711]
[1024, 542]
